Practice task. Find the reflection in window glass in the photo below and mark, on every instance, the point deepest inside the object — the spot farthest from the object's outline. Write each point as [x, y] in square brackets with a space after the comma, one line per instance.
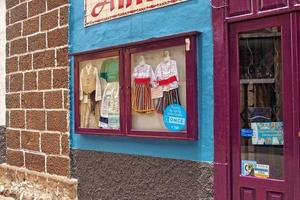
[99, 93]
[158, 80]
[261, 120]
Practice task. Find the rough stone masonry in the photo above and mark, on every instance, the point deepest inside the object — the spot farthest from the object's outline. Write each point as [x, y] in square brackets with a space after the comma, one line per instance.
[37, 80]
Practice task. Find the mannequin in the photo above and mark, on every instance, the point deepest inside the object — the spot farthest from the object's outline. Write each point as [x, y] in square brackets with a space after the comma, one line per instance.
[143, 78]
[167, 57]
[142, 60]
[90, 94]
[166, 74]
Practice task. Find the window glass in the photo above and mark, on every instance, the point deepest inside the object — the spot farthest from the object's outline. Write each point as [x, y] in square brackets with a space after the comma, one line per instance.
[158, 79]
[99, 93]
[261, 118]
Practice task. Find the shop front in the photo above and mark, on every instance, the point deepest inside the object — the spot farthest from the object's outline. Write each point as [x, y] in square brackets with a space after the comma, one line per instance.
[141, 99]
[256, 100]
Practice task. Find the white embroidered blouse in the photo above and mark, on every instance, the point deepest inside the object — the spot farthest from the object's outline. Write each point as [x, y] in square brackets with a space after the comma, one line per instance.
[144, 71]
[166, 71]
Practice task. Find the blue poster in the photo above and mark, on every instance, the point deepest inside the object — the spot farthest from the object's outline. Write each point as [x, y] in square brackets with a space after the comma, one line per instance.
[175, 117]
[246, 132]
[267, 133]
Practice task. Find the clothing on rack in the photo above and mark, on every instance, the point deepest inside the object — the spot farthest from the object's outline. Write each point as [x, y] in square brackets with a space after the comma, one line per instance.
[89, 82]
[166, 75]
[109, 111]
[89, 95]
[110, 70]
[109, 105]
[143, 76]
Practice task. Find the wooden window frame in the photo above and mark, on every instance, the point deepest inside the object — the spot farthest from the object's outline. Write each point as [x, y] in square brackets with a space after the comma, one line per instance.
[124, 53]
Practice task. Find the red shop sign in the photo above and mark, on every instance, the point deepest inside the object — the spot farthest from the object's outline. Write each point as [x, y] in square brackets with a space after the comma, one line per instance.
[97, 11]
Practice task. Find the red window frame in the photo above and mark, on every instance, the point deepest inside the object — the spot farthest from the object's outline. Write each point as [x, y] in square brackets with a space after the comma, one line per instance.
[124, 52]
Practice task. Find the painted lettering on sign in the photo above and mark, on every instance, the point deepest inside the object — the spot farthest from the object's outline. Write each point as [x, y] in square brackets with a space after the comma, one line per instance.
[97, 11]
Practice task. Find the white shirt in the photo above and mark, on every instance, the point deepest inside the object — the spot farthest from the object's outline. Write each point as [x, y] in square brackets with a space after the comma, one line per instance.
[144, 71]
[165, 70]
[110, 99]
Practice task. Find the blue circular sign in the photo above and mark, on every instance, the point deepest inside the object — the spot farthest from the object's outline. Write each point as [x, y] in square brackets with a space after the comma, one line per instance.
[175, 117]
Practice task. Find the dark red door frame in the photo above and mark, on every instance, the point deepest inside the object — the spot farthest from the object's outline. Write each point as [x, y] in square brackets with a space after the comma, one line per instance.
[282, 186]
[222, 166]
[296, 62]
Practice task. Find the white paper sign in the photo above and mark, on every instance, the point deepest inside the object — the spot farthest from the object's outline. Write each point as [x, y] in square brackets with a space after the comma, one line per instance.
[262, 171]
[97, 11]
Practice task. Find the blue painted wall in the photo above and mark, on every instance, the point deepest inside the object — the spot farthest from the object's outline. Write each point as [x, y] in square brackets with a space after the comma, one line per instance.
[193, 15]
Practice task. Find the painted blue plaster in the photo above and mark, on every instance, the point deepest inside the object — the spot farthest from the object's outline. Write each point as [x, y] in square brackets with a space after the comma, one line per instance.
[193, 15]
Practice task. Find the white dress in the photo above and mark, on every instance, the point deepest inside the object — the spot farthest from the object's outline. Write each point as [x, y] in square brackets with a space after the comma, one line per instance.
[143, 76]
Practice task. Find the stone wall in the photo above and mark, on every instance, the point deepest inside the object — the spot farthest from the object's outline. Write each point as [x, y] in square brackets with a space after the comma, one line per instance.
[37, 85]
[21, 183]
[2, 61]
[2, 144]
[110, 176]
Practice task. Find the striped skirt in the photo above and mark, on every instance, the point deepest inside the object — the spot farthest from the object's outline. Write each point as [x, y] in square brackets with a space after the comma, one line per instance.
[141, 97]
[169, 97]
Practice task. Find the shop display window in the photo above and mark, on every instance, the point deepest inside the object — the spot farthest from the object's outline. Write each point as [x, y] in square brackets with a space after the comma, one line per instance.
[139, 90]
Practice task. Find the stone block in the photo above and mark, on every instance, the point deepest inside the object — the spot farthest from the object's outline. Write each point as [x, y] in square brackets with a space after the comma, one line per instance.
[61, 78]
[18, 13]
[25, 62]
[35, 162]
[30, 140]
[31, 26]
[17, 119]
[16, 82]
[30, 81]
[58, 165]
[37, 42]
[18, 46]
[61, 33]
[12, 64]
[13, 31]
[44, 59]
[35, 120]
[57, 121]
[44, 79]
[50, 143]
[53, 100]
[13, 139]
[15, 158]
[51, 4]
[49, 20]
[36, 7]
[32, 100]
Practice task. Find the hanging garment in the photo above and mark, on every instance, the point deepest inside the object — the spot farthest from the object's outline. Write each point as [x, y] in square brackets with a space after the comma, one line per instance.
[110, 70]
[89, 94]
[143, 76]
[89, 82]
[169, 97]
[109, 112]
[166, 75]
